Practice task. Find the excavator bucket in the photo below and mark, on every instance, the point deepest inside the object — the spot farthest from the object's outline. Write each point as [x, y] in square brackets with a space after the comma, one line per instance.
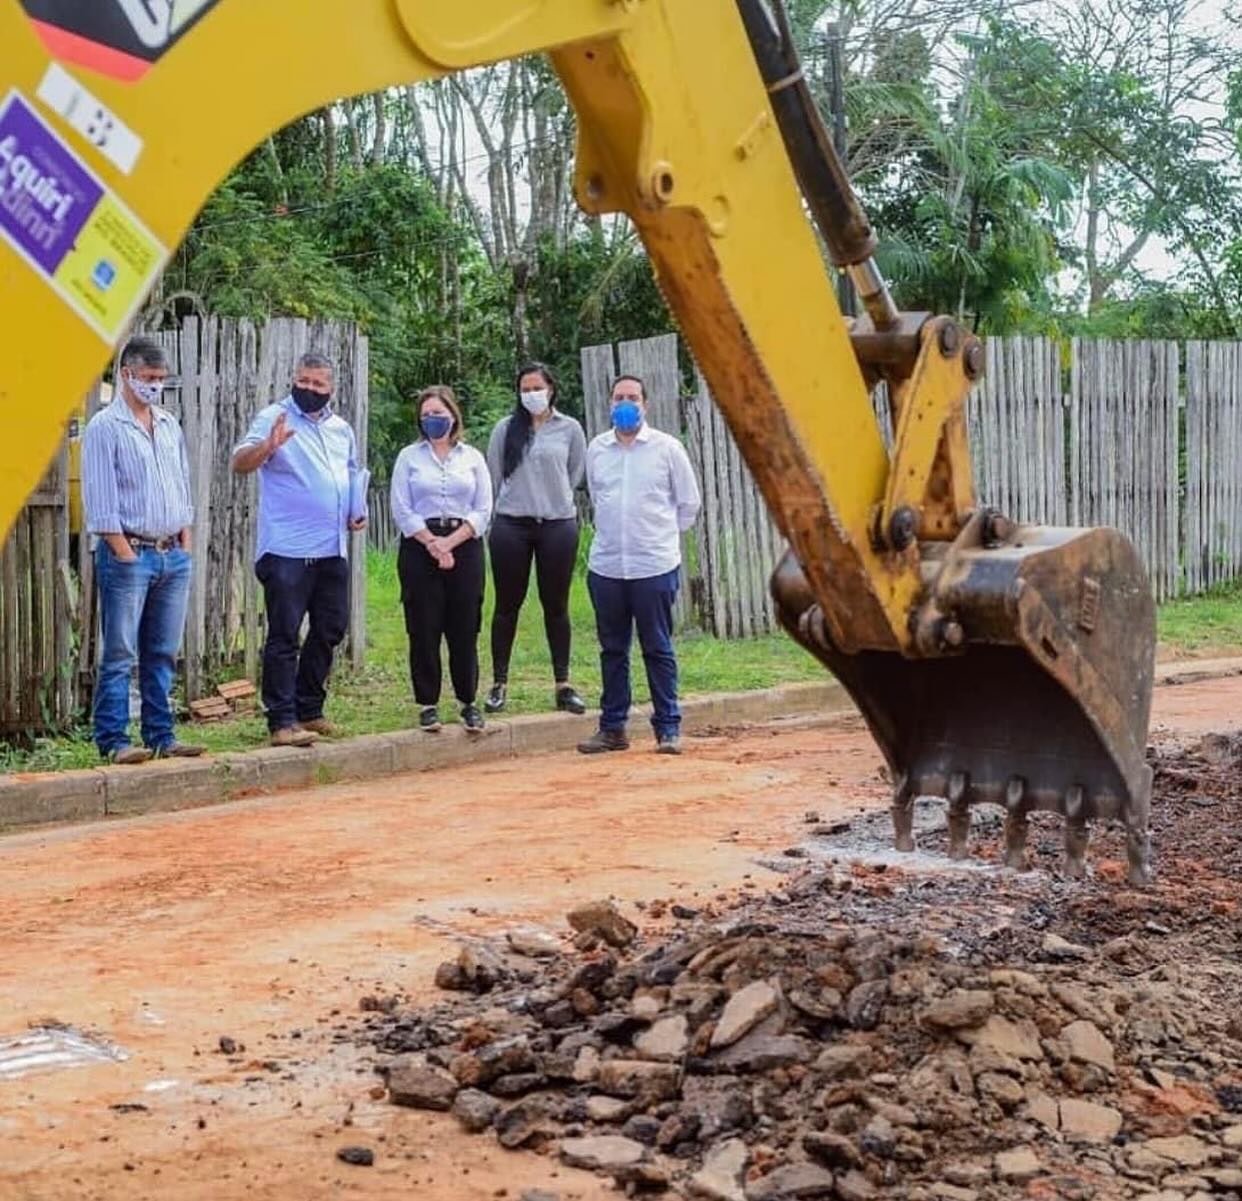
[1042, 704]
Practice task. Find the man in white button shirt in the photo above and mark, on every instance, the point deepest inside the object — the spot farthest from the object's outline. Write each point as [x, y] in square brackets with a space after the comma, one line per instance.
[645, 497]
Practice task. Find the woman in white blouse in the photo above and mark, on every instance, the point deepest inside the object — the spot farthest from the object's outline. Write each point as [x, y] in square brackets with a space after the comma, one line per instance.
[441, 500]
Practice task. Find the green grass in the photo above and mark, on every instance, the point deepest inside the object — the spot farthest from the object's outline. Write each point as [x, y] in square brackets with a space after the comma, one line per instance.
[1202, 625]
[378, 698]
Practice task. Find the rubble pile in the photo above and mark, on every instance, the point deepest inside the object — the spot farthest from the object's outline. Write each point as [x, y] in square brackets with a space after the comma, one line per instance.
[867, 1032]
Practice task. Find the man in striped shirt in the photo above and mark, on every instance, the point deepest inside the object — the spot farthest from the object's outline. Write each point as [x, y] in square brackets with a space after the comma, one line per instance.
[136, 495]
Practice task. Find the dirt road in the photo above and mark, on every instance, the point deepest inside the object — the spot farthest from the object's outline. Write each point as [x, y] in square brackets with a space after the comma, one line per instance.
[265, 918]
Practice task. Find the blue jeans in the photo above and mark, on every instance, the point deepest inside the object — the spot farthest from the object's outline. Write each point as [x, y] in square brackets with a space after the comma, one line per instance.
[142, 613]
[620, 607]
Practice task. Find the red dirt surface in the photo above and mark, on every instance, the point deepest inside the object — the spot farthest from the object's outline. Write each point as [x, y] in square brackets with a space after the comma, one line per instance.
[261, 918]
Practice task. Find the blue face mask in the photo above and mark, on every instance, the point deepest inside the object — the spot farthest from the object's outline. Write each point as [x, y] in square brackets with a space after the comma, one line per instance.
[627, 416]
[435, 426]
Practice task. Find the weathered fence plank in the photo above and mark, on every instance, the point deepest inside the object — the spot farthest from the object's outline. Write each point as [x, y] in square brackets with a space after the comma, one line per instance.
[1195, 412]
[1124, 439]
[599, 366]
[711, 554]
[36, 667]
[1213, 440]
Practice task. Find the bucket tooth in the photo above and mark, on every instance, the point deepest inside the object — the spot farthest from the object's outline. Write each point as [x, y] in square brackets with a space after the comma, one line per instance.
[1138, 856]
[903, 816]
[1138, 837]
[1015, 824]
[1075, 834]
[959, 815]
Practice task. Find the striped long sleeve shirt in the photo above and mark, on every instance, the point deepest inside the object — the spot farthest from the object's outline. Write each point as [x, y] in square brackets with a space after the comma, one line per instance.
[135, 482]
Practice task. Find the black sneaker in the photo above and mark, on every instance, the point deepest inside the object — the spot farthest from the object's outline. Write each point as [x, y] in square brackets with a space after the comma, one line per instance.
[472, 719]
[668, 744]
[429, 720]
[496, 698]
[568, 700]
[605, 740]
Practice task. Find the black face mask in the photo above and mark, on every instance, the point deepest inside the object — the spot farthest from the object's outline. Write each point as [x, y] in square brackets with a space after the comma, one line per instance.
[308, 401]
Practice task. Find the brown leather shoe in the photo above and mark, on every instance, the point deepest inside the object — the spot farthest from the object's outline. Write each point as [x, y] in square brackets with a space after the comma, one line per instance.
[127, 756]
[321, 726]
[293, 736]
[605, 740]
[179, 750]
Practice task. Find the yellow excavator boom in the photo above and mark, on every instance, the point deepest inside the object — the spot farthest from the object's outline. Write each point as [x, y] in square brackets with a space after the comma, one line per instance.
[118, 117]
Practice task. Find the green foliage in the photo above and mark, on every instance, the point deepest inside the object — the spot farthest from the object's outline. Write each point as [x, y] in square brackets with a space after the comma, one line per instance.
[594, 289]
[1000, 158]
[381, 249]
[1151, 311]
[245, 258]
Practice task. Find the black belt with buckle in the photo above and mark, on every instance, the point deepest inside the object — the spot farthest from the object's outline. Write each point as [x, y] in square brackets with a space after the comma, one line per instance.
[163, 545]
[444, 525]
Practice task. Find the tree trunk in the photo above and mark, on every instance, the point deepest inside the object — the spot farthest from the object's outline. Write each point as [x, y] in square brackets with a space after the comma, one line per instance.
[329, 149]
[521, 330]
[381, 129]
[282, 188]
[355, 136]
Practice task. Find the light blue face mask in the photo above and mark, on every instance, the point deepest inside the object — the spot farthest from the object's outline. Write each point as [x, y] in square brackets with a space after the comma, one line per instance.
[627, 416]
[146, 392]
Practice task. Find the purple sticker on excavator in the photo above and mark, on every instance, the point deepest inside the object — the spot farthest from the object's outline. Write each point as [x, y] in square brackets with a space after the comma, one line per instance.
[45, 194]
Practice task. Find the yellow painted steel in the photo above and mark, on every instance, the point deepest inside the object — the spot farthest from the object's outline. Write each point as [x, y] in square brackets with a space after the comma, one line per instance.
[675, 130]
[931, 472]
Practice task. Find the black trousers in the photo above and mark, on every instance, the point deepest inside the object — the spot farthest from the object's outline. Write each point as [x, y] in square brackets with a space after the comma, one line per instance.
[295, 685]
[553, 545]
[444, 605]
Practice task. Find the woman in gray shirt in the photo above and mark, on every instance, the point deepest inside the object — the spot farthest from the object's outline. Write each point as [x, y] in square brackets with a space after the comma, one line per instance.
[537, 457]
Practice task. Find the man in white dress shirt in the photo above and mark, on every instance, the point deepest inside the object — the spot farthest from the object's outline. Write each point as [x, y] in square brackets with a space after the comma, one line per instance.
[645, 497]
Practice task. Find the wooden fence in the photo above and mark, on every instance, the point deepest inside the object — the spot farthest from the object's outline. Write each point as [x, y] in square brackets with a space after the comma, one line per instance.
[1102, 432]
[37, 604]
[229, 369]
[1212, 551]
[1131, 434]
[382, 532]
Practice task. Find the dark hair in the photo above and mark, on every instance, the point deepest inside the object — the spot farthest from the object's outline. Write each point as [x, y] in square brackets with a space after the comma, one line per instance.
[637, 379]
[444, 394]
[143, 352]
[312, 360]
[521, 428]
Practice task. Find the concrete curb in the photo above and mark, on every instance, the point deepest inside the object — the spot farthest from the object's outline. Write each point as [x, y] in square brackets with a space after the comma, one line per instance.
[33, 799]
[1190, 671]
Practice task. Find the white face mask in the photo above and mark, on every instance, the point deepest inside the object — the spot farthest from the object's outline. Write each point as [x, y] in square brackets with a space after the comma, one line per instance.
[535, 402]
[146, 393]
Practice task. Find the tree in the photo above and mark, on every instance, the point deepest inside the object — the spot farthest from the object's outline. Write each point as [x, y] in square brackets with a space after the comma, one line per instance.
[967, 198]
[1130, 91]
